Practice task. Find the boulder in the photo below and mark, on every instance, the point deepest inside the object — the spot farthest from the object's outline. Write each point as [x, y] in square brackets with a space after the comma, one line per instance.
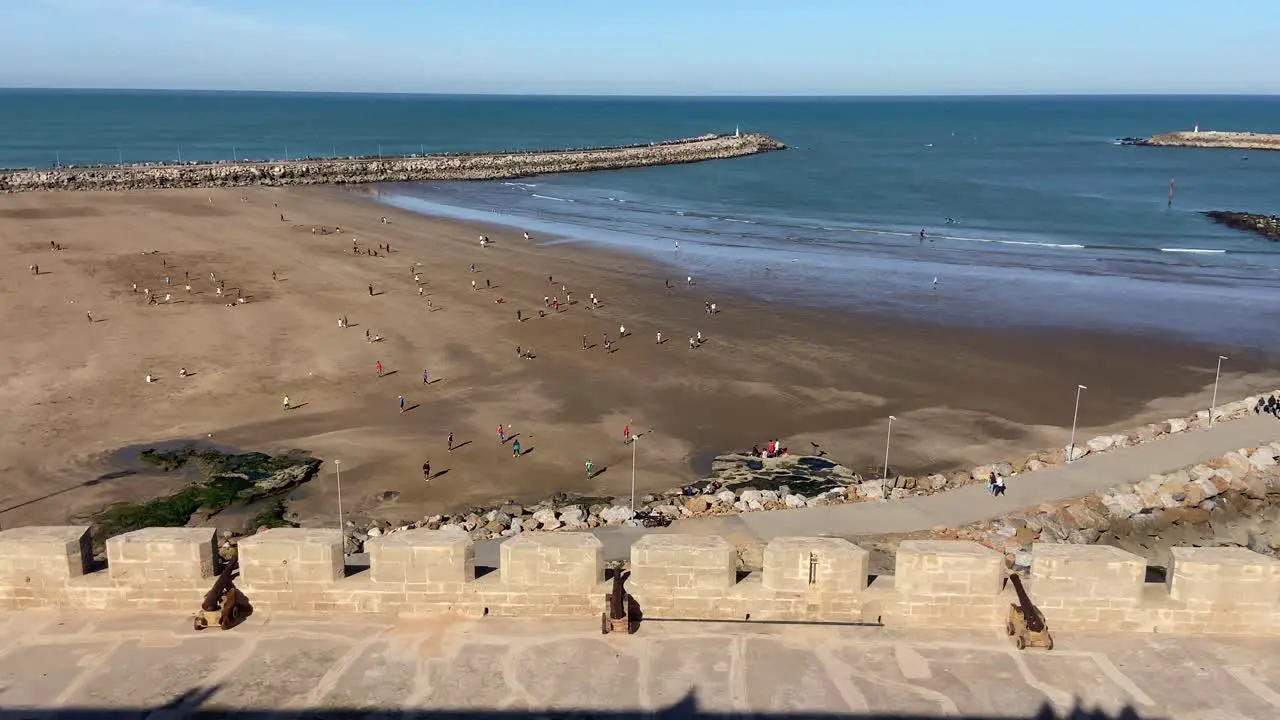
[938, 482]
[769, 496]
[573, 516]
[617, 514]
[872, 490]
[1075, 453]
[982, 473]
[544, 516]
[1101, 443]
[1236, 462]
[512, 509]
[1262, 458]
[1123, 505]
[724, 497]
[794, 501]
[1175, 425]
[495, 527]
[698, 504]
[751, 497]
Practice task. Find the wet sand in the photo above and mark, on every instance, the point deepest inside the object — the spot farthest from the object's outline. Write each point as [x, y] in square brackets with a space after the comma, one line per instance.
[75, 390]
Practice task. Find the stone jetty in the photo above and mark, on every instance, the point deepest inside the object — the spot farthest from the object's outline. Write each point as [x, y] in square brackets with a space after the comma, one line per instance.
[341, 171]
[1209, 139]
[1268, 226]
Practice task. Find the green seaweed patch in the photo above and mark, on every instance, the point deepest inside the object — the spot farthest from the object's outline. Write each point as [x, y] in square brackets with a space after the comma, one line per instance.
[271, 516]
[231, 479]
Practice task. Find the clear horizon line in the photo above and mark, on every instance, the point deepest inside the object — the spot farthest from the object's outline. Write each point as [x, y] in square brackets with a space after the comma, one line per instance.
[644, 96]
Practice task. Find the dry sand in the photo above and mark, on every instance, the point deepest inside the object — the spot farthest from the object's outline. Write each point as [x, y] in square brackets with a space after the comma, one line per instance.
[74, 391]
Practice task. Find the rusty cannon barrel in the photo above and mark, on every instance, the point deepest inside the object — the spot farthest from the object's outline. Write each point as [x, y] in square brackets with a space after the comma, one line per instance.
[1029, 612]
[618, 598]
[213, 598]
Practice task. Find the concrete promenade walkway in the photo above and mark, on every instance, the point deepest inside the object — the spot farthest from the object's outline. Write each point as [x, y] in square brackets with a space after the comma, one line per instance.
[972, 503]
[961, 506]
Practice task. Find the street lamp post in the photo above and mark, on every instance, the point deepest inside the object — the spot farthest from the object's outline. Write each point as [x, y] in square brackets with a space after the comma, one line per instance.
[884, 476]
[633, 471]
[337, 466]
[1214, 402]
[1071, 449]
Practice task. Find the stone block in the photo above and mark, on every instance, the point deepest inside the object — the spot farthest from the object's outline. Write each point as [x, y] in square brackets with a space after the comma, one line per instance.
[684, 563]
[291, 555]
[806, 564]
[947, 567]
[44, 554]
[1224, 576]
[559, 561]
[1068, 575]
[161, 554]
[422, 556]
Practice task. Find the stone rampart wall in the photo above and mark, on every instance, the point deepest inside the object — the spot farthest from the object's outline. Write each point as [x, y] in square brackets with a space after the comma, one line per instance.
[431, 572]
[477, 166]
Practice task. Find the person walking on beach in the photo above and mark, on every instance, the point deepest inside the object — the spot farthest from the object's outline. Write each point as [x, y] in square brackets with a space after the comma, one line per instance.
[450, 445]
[419, 291]
[473, 285]
[488, 284]
[692, 344]
[519, 316]
[370, 289]
[590, 467]
[424, 378]
[622, 331]
[515, 448]
[274, 276]
[502, 433]
[626, 433]
[584, 341]
[401, 404]
[285, 403]
[426, 471]
[689, 280]
[378, 367]
[89, 316]
[659, 337]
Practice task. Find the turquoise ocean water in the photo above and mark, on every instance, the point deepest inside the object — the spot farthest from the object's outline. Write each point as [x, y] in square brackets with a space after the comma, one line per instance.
[1054, 225]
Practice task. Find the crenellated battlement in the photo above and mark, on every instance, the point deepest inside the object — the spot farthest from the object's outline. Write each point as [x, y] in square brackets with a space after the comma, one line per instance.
[433, 572]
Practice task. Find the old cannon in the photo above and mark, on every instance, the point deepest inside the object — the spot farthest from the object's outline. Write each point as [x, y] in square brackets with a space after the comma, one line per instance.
[224, 602]
[617, 614]
[1026, 624]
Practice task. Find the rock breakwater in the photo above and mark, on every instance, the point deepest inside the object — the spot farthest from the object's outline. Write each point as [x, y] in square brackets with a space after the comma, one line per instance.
[1209, 139]
[318, 171]
[1268, 226]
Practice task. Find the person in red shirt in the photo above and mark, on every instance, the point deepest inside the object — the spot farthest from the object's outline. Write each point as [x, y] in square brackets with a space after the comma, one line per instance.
[379, 368]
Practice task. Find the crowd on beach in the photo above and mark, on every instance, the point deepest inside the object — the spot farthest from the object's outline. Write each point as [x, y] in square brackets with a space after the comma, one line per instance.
[561, 300]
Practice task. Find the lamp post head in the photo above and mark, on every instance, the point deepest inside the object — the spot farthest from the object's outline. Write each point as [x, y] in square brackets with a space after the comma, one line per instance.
[1223, 357]
[1083, 387]
[892, 418]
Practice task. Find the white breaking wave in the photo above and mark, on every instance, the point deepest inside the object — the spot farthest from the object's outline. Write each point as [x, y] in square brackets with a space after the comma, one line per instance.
[549, 197]
[520, 184]
[1197, 251]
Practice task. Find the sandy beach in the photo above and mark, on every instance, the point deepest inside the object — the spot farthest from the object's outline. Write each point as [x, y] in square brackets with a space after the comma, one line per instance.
[76, 391]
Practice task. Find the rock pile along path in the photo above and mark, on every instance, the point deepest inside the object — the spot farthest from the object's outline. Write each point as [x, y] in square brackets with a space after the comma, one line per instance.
[965, 505]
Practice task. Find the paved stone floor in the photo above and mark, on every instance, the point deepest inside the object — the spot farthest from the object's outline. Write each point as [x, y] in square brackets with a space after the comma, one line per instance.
[303, 666]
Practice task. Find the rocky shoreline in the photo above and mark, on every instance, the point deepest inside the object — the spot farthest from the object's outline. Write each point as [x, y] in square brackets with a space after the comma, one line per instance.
[317, 171]
[1209, 139]
[741, 483]
[1268, 226]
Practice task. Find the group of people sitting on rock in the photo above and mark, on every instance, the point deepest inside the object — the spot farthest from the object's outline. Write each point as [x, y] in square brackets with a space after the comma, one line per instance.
[1269, 405]
[995, 485]
[772, 450]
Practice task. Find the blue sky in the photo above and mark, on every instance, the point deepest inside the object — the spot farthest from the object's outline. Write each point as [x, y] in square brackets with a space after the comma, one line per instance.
[645, 47]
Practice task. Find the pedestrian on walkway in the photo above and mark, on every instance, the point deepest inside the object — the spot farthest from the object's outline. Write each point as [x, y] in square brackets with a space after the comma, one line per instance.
[401, 404]
[450, 446]
[590, 468]
[473, 285]
[1000, 488]
[626, 433]
[584, 341]
[487, 284]
[502, 433]
[426, 471]
[515, 448]
[424, 377]
[286, 403]
[89, 316]
[659, 337]
[378, 367]
[370, 289]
